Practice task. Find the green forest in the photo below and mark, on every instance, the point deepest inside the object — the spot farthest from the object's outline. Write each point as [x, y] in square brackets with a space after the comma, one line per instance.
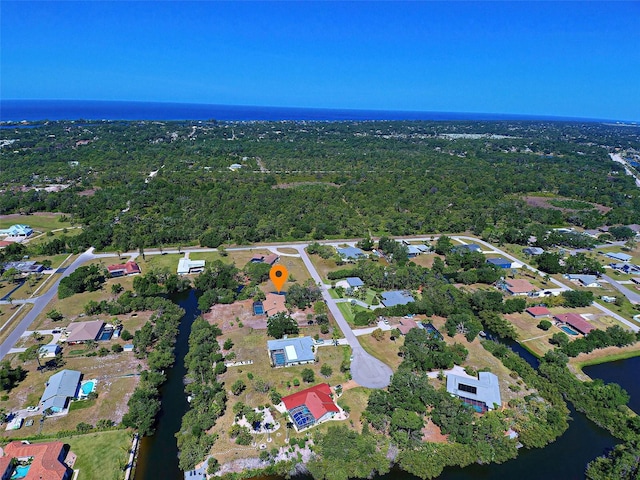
[314, 180]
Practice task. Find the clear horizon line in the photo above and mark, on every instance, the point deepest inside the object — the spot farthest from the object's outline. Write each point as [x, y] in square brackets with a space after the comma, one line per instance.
[520, 116]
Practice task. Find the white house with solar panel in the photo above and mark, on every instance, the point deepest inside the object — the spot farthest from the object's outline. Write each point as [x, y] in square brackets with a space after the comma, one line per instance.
[482, 393]
[291, 351]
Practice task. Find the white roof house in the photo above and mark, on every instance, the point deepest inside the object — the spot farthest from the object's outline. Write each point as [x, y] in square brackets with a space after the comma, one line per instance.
[291, 351]
[186, 266]
[482, 393]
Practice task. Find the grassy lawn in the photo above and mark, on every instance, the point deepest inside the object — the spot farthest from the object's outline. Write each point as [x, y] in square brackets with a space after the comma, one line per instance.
[345, 308]
[42, 222]
[324, 266]
[158, 263]
[426, 259]
[356, 400]
[7, 319]
[101, 455]
[384, 350]
[39, 238]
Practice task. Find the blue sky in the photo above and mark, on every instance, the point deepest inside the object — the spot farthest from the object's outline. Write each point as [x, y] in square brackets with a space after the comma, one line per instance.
[541, 58]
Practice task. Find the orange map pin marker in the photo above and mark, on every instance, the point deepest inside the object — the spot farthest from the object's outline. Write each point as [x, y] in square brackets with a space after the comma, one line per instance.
[278, 275]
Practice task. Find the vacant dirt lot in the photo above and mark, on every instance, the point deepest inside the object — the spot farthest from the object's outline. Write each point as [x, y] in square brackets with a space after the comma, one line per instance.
[543, 202]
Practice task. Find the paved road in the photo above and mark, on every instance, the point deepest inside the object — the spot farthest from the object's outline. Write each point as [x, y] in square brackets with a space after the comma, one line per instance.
[366, 370]
[633, 297]
[40, 303]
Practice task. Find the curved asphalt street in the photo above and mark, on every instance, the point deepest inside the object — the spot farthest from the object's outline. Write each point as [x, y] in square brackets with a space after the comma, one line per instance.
[366, 370]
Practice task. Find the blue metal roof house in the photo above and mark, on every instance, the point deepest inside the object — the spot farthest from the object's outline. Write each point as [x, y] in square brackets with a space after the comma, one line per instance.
[60, 388]
[621, 257]
[482, 393]
[396, 297]
[17, 230]
[291, 351]
[351, 253]
[500, 262]
[355, 282]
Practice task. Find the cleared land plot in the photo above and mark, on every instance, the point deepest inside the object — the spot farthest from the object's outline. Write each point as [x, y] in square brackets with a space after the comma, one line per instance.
[42, 221]
[158, 263]
[324, 266]
[426, 259]
[385, 350]
[101, 455]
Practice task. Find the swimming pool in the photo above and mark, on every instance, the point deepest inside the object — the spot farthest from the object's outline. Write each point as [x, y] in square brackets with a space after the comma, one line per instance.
[568, 330]
[105, 335]
[87, 387]
[20, 471]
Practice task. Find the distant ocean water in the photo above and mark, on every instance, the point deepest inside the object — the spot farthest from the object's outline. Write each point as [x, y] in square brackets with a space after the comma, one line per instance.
[34, 110]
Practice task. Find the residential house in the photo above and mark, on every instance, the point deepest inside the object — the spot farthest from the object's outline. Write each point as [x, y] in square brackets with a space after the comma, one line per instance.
[628, 268]
[351, 284]
[291, 351]
[17, 231]
[592, 233]
[311, 406]
[407, 324]
[25, 267]
[621, 257]
[500, 262]
[49, 351]
[396, 297]
[60, 388]
[269, 259]
[80, 332]
[576, 321]
[470, 247]
[482, 393]
[538, 312]
[234, 167]
[6, 468]
[533, 251]
[584, 280]
[274, 304]
[47, 460]
[415, 250]
[351, 254]
[121, 270]
[519, 287]
[187, 266]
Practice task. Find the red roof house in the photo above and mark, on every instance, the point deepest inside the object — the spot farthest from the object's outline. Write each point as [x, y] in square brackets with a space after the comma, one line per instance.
[129, 268]
[47, 459]
[311, 406]
[576, 321]
[538, 312]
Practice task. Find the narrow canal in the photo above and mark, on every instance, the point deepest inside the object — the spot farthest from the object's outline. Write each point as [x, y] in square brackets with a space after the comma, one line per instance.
[564, 459]
[158, 455]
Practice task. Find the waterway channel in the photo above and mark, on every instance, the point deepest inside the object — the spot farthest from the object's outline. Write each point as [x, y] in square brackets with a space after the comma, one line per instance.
[158, 455]
[564, 459]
